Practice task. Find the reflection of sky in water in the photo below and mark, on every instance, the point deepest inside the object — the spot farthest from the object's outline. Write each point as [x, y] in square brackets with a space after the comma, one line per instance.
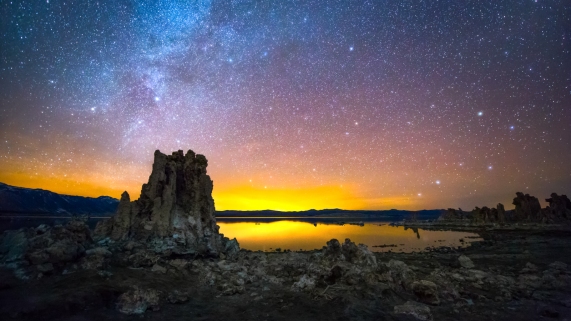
[306, 236]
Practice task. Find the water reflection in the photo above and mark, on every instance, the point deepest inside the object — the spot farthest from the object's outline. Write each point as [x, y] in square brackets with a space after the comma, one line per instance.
[299, 235]
[269, 234]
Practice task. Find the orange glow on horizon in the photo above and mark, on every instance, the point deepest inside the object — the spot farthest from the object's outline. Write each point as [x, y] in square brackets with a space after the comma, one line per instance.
[226, 197]
[284, 199]
[79, 173]
[301, 199]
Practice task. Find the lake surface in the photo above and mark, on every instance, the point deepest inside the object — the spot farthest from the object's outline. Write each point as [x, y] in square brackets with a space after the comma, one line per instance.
[269, 234]
[299, 235]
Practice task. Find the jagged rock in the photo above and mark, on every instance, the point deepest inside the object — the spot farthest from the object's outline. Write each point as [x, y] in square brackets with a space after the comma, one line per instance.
[60, 252]
[333, 248]
[426, 291]
[38, 257]
[335, 274]
[401, 275]
[465, 262]
[358, 254]
[501, 213]
[549, 312]
[489, 215]
[102, 230]
[559, 207]
[558, 266]
[175, 210]
[13, 245]
[122, 223]
[305, 283]
[98, 251]
[179, 264]
[415, 309]
[131, 245]
[233, 286]
[158, 268]
[350, 252]
[138, 301]
[231, 247]
[143, 259]
[480, 215]
[46, 267]
[177, 297]
[95, 259]
[526, 207]
[93, 262]
[529, 268]
[42, 228]
[450, 215]
[60, 244]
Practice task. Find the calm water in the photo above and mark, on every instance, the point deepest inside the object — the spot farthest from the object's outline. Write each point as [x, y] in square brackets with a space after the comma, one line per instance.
[269, 234]
[299, 235]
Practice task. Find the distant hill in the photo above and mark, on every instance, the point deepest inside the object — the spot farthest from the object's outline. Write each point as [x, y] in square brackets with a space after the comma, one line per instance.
[338, 213]
[27, 201]
[19, 200]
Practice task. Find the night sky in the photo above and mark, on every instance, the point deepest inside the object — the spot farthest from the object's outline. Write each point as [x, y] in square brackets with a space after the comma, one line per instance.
[296, 104]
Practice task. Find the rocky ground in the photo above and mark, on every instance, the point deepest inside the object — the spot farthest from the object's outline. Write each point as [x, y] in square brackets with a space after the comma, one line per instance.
[62, 274]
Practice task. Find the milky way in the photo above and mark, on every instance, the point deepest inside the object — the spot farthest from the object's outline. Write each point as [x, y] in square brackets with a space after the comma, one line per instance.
[296, 104]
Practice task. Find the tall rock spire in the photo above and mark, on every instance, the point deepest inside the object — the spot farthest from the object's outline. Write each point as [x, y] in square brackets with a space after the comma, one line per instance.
[175, 210]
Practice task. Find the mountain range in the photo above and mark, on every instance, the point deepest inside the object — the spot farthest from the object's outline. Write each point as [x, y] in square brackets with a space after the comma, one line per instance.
[27, 201]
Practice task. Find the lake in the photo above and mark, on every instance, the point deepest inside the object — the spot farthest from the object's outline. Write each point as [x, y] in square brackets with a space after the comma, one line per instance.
[269, 234]
[302, 235]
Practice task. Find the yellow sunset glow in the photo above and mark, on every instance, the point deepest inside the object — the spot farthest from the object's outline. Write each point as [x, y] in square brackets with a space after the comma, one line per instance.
[285, 199]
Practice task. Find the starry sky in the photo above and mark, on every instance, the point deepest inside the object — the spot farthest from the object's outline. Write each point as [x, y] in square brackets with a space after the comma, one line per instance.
[296, 104]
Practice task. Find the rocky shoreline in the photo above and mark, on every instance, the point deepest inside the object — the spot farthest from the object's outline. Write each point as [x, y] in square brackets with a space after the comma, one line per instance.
[512, 274]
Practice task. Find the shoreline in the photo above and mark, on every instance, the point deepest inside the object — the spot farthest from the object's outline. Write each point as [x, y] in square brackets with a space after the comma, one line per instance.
[521, 274]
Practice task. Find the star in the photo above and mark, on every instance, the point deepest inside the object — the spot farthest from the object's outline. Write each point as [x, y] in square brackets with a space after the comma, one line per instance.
[277, 89]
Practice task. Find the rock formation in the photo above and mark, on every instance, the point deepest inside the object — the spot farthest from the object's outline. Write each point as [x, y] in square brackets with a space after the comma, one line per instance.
[500, 213]
[489, 215]
[559, 207]
[174, 212]
[526, 207]
[451, 214]
[46, 249]
[480, 215]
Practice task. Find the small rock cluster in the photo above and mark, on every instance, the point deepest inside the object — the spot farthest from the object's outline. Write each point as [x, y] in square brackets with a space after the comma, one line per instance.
[527, 209]
[43, 250]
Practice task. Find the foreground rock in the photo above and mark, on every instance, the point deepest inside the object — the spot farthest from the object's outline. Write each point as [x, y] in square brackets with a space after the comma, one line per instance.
[465, 262]
[342, 281]
[559, 208]
[172, 221]
[45, 249]
[426, 291]
[175, 211]
[138, 301]
[417, 310]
